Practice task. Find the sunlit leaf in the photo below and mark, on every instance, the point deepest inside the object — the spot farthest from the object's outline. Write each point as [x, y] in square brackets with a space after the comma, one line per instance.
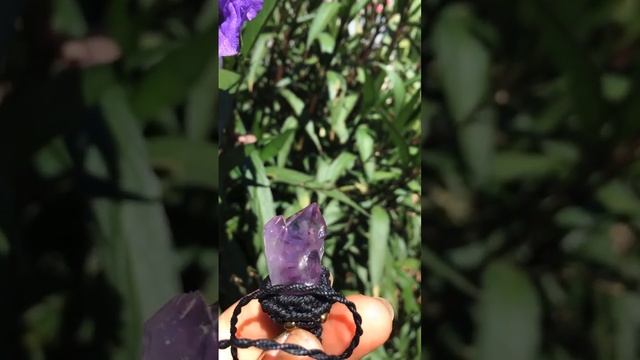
[254, 27]
[379, 224]
[325, 14]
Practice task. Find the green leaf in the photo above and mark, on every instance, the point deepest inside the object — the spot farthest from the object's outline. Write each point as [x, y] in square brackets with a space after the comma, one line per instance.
[167, 83]
[336, 84]
[67, 18]
[509, 319]
[574, 217]
[575, 62]
[95, 81]
[595, 244]
[410, 112]
[296, 178]
[477, 140]
[327, 43]
[200, 110]
[188, 162]
[257, 58]
[323, 16]
[342, 197]
[619, 198]
[514, 165]
[276, 144]
[53, 159]
[626, 312]
[207, 16]
[398, 140]
[340, 110]
[311, 131]
[357, 6]
[259, 192]
[290, 124]
[254, 28]
[338, 167]
[294, 101]
[397, 87]
[615, 88]
[121, 25]
[227, 79]
[288, 176]
[371, 90]
[364, 143]
[438, 266]
[135, 244]
[43, 323]
[378, 248]
[462, 59]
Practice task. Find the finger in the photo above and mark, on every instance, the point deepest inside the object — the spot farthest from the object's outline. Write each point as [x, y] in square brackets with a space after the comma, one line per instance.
[338, 330]
[299, 337]
[253, 323]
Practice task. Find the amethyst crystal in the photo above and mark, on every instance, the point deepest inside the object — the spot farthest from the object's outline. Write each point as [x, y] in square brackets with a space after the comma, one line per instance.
[184, 328]
[294, 247]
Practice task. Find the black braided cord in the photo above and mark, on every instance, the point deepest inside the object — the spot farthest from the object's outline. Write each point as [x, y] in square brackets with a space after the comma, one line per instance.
[299, 303]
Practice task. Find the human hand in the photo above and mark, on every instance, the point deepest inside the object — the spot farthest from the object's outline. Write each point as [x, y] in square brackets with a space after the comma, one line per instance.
[337, 331]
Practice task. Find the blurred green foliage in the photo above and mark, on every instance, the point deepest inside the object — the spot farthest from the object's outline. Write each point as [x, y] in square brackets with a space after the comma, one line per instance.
[532, 167]
[108, 180]
[324, 105]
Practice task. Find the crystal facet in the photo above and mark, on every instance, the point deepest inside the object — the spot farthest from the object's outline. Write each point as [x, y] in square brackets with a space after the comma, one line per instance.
[294, 247]
[184, 328]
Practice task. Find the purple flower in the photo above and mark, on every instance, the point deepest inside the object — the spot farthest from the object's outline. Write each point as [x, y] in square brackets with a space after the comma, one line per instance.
[233, 15]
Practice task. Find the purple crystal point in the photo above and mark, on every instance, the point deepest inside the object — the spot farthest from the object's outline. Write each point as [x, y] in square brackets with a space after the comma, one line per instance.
[294, 247]
[184, 328]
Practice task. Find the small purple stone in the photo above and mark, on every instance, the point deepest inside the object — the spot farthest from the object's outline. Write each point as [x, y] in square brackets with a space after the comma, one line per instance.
[294, 247]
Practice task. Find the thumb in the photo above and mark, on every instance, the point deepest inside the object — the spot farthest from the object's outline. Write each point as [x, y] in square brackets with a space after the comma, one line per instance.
[297, 336]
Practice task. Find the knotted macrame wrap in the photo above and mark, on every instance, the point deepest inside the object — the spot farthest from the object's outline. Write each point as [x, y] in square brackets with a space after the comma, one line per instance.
[300, 304]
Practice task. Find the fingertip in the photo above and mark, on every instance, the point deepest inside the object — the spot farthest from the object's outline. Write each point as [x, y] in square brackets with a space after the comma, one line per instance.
[377, 322]
[253, 323]
[387, 305]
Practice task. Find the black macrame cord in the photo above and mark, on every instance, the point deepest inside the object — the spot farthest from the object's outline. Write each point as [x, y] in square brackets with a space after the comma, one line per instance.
[302, 304]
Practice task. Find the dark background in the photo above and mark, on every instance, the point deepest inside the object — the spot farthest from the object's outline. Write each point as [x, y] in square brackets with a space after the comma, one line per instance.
[531, 180]
[108, 171]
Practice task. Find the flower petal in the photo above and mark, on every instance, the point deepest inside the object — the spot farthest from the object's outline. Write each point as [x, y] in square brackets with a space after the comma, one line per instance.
[233, 15]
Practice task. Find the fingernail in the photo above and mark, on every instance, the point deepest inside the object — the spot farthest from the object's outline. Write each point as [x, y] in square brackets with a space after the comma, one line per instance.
[282, 337]
[303, 339]
[387, 304]
[273, 353]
